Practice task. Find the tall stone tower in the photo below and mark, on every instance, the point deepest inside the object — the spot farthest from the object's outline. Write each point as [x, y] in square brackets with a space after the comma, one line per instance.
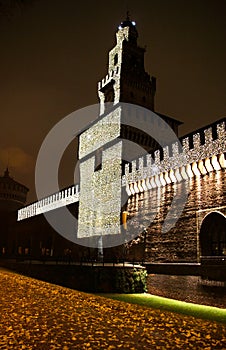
[127, 80]
[13, 195]
[101, 150]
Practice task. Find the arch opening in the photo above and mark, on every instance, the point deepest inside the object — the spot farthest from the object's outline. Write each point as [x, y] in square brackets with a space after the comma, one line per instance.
[213, 235]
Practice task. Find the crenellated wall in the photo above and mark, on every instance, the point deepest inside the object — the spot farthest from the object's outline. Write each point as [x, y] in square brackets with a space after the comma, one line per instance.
[198, 154]
[107, 79]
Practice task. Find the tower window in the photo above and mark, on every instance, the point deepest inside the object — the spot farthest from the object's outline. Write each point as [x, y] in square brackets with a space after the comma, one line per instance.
[116, 59]
[98, 160]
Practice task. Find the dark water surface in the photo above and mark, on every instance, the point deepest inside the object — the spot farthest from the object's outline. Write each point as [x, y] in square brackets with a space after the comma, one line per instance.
[186, 288]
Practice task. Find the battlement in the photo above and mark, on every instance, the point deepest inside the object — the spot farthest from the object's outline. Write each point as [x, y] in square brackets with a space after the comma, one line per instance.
[196, 154]
[57, 200]
[106, 80]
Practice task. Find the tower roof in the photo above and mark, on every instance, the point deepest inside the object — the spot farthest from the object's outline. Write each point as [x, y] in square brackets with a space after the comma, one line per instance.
[7, 179]
[13, 195]
[128, 23]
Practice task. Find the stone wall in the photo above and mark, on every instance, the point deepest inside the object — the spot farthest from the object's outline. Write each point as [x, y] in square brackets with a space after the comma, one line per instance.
[180, 243]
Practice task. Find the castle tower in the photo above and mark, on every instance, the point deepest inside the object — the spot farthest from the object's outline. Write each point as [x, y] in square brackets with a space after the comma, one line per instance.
[100, 154]
[13, 195]
[127, 81]
[102, 147]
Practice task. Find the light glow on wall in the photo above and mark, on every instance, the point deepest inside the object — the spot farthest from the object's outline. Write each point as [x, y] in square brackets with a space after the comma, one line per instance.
[136, 189]
[178, 175]
[100, 195]
[172, 176]
[222, 160]
[152, 182]
[131, 189]
[168, 181]
[189, 170]
[208, 165]
[157, 181]
[183, 173]
[202, 167]
[162, 180]
[215, 163]
[143, 184]
[148, 184]
[195, 169]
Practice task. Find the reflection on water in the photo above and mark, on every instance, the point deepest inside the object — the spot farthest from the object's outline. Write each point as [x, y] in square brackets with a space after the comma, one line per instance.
[186, 288]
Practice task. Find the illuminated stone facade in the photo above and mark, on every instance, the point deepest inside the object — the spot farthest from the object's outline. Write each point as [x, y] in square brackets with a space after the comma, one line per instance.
[105, 130]
[127, 80]
[100, 184]
[151, 181]
[100, 195]
[191, 161]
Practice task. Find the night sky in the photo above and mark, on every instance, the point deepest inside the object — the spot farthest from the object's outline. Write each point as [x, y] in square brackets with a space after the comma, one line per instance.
[53, 53]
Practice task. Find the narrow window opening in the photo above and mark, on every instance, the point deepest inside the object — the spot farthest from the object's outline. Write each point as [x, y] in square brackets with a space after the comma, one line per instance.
[98, 160]
[116, 59]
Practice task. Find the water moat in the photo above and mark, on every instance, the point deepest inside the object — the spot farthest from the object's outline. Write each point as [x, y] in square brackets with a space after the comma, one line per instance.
[188, 289]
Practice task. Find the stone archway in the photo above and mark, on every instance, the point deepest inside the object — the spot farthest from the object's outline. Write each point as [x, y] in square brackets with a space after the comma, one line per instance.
[213, 235]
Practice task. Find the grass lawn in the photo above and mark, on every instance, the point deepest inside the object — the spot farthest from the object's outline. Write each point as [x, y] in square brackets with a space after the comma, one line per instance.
[153, 301]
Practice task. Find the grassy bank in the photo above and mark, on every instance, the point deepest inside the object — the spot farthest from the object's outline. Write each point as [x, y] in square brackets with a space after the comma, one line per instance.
[181, 307]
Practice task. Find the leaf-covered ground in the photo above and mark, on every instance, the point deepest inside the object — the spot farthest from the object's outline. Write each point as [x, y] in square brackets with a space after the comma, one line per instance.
[39, 315]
